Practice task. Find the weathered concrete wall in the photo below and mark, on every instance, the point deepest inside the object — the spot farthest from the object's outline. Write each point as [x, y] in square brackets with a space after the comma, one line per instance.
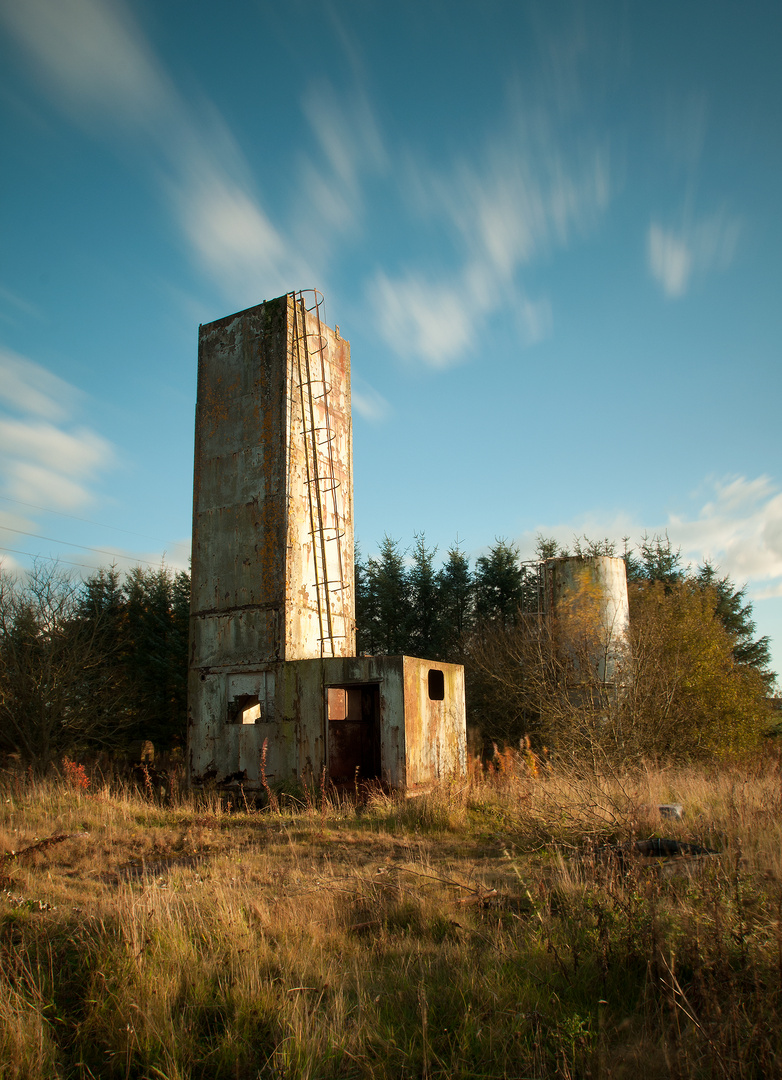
[435, 726]
[273, 491]
[320, 492]
[307, 683]
[239, 495]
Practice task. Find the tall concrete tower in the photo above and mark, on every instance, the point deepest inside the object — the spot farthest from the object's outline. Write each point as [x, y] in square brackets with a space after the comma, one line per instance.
[273, 495]
[275, 690]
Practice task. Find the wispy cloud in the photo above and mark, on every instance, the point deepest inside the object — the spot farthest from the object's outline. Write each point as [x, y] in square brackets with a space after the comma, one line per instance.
[670, 260]
[350, 147]
[18, 303]
[77, 452]
[368, 403]
[232, 237]
[426, 318]
[45, 456]
[675, 255]
[740, 528]
[685, 129]
[91, 56]
[29, 388]
[97, 65]
[534, 319]
[527, 197]
[47, 483]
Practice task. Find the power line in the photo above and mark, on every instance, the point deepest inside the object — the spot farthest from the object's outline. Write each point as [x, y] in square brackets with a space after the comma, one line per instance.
[47, 558]
[83, 547]
[89, 521]
[67, 562]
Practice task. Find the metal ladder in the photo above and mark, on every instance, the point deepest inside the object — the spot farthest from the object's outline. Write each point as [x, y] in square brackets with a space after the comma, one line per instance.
[309, 370]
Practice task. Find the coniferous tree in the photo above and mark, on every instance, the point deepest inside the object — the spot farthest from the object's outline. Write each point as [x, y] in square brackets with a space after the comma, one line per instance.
[546, 547]
[735, 614]
[682, 665]
[58, 687]
[178, 657]
[457, 603]
[424, 637]
[101, 607]
[155, 653]
[655, 561]
[364, 606]
[389, 599]
[499, 583]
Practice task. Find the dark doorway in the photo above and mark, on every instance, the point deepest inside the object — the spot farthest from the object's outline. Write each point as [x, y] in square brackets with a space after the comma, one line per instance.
[354, 733]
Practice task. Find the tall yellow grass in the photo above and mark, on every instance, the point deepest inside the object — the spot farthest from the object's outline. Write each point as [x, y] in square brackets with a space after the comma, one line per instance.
[500, 925]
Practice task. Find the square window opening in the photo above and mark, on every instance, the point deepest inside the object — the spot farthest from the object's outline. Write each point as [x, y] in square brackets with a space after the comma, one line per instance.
[245, 709]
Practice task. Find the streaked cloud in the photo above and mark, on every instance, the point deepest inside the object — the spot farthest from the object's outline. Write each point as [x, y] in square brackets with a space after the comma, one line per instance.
[427, 319]
[670, 260]
[526, 197]
[91, 56]
[534, 319]
[12, 524]
[18, 303]
[740, 528]
[45, 456]
[232, 237]
[77, 451]
[96, 64]
[674, 256]
[348, 137]
[367, 402]
[46, 483]
[685, 128]
[29, 388]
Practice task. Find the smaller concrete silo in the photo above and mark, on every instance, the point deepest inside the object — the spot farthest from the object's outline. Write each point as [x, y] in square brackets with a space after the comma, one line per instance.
[586, 597]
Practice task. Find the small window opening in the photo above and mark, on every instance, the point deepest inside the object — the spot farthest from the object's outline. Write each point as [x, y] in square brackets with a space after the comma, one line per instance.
[436, 685]
[245, 710]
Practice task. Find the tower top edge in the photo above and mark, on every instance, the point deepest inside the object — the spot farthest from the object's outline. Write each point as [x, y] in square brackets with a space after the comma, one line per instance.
[312, 299]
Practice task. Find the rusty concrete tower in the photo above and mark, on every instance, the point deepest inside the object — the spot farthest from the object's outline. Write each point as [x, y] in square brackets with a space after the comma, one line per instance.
[273, 500]
[275, 690]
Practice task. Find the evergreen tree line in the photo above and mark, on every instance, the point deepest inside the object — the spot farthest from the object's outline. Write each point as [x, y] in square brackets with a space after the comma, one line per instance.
[92, 665]
[405, 605]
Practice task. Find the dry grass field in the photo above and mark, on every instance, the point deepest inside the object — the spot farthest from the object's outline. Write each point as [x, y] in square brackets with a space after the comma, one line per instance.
[508, 925]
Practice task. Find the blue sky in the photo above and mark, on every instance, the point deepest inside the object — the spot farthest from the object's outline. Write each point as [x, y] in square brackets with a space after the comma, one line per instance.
[551, 232]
